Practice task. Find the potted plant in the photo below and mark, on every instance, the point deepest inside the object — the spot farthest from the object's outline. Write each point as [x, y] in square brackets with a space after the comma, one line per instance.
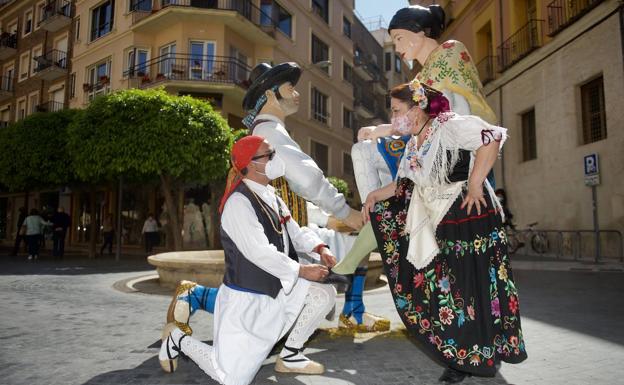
[86, 87]
[104, 79]
[160, 76]
[145, 79]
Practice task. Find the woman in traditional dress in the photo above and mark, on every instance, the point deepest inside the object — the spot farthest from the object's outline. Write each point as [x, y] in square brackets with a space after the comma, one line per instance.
[440, 234]
[447, 67]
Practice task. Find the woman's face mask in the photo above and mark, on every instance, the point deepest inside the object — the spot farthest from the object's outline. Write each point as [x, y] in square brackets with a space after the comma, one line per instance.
[403, 124]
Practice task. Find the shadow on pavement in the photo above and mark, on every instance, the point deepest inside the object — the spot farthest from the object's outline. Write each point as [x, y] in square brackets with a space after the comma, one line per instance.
[584, 302]
[384, 359]
[71, 265]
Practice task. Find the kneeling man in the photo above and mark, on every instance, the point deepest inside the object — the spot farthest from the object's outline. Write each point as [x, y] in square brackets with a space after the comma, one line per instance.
[265, 290]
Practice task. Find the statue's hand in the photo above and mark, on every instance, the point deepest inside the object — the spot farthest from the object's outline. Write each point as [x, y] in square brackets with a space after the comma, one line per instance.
[354, 220]
[366, 133]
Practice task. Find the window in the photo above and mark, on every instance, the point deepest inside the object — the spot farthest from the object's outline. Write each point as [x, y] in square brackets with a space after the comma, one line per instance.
[320, 154]
[72, 85]
[21, 110]
[238, 67]
[167, 65]
[346, 27]
[137, 62]
[388, 61]
[347, 164]
[593, 107]
[529, 142]
[140, 5]
[97, 83]
[36, 52]
[77, 26]
[319, 106]
[320, 52]
[202, 59]
[24, 66]
[5, 115]
[272, 12]
[321, 8]
[102, 19]
[40, 15]
[347, 72]
[347, 118]
[33, 103]
[397, 64]
[28, 22]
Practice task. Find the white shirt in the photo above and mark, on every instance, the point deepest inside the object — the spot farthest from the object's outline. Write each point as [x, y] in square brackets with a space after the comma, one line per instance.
[240, 223]
[150, 226]
[304, 177]
[34, 224]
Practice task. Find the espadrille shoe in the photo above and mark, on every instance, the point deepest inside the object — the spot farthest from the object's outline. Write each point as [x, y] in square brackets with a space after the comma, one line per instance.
[170, 348]
[370, 323]
[296, 362]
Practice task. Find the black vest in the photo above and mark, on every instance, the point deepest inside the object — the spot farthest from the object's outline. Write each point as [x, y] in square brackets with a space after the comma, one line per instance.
[239, 271]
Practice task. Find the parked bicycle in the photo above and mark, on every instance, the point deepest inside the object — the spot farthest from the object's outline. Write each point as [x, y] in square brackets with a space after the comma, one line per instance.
[517, 239]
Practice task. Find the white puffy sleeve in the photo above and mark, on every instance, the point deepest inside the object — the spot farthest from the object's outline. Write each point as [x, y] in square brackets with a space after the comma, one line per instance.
[303, 174]
[470, 132]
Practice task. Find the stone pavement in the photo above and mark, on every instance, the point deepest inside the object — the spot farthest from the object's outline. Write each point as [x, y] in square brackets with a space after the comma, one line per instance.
[65, 323]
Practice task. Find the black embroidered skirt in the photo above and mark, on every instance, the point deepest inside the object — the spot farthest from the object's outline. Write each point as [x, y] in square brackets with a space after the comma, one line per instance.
[464, 305]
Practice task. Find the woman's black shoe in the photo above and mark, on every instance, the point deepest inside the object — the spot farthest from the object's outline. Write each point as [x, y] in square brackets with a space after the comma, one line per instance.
[452, 376]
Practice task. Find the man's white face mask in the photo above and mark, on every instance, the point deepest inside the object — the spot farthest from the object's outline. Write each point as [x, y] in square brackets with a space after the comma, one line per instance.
[274, 168]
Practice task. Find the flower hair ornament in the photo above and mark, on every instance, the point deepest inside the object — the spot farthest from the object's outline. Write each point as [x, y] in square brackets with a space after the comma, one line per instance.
[418, 94]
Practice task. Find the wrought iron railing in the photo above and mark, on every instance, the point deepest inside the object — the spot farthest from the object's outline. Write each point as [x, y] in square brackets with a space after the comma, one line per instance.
[51, 58]
[214, 69]
[51, 106]
[8, 40]
[487, 69]
[245, 8]
[562, 13]
[520, 44]
[56, 7]
[6, 84]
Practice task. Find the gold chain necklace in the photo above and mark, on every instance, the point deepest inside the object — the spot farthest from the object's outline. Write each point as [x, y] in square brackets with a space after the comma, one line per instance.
[280, 231]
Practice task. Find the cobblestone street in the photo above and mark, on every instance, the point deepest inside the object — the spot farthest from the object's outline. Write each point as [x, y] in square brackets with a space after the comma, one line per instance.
[68, 324]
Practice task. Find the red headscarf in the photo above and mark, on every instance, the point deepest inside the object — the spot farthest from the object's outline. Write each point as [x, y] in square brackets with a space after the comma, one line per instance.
[243, 150]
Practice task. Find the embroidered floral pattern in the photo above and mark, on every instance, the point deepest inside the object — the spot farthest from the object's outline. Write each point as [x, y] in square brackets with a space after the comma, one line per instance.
[432, 306]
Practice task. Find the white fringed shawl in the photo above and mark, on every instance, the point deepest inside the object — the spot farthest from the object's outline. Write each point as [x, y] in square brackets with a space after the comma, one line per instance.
[430, 166]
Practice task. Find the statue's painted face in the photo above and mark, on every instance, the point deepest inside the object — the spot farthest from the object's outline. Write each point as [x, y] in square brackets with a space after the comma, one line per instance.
[407, 43]
[290, 98]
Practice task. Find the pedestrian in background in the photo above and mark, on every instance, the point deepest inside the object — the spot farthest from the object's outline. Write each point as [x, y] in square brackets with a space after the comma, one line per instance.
[150, 231]
[108, 231]
[33, 228]
[61, 222]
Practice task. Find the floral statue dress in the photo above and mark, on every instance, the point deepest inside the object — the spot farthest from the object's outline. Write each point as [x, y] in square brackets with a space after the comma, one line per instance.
[464, 304]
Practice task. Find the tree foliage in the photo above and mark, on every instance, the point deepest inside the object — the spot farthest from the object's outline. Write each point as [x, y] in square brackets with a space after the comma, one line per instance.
[35, 152]
[148, 133]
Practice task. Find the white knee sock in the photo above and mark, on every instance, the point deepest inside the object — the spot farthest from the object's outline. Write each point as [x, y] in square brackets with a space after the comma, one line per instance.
[318, 303]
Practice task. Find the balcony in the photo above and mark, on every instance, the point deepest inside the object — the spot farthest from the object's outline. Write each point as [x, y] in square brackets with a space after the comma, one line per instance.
[223, 73]
[562, 13]
[364, 106]
[487, 69]
[51, 106]
[240, 15]
[361, 68]
[6, 88]
[56, 15]
[380, 84]
[52, 65]
[520, 44]
[8, 45]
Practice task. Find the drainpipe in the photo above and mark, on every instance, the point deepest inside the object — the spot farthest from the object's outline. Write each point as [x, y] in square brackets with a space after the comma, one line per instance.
[622, 29]
[500, 95]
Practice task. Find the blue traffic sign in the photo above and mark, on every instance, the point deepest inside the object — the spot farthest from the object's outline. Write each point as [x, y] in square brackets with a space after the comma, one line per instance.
[591, 164]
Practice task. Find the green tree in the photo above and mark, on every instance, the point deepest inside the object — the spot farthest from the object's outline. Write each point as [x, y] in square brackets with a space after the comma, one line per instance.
[34, 153]
[340, 184]
[147, 135]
